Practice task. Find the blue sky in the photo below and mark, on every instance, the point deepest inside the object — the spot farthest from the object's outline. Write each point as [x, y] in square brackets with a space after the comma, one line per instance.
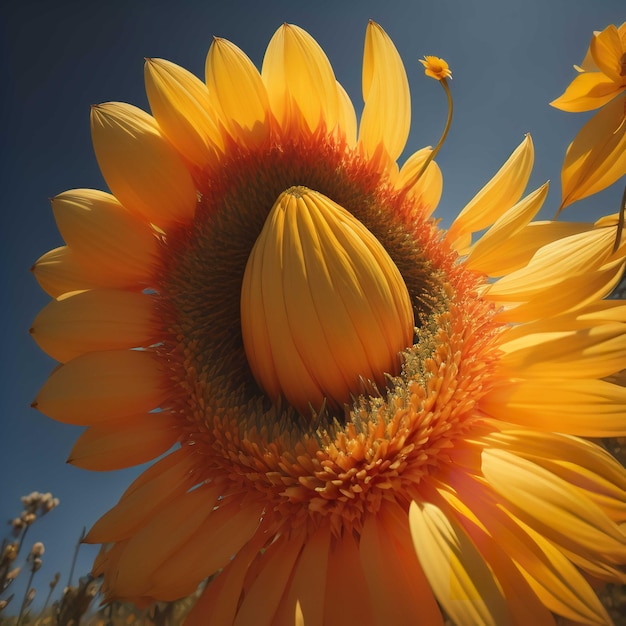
[509, 59]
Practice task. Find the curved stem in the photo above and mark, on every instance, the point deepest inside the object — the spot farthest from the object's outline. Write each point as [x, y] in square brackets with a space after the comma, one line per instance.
[433, 154]
[620, 222]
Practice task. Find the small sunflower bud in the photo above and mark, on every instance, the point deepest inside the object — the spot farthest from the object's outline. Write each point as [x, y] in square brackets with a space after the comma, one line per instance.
[323, 306]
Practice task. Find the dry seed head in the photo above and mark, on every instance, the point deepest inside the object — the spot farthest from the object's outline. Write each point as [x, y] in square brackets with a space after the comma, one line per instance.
[14, 573]
[38, 549]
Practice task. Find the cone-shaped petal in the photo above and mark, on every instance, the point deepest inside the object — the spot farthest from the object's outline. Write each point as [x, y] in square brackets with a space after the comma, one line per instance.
[237, 91]
[104, 234]
[386, 118]
[300, 80]
[141, 168]
[88, 321]
[181, 105]
[496, 197]
[597, 156]
[323, 306]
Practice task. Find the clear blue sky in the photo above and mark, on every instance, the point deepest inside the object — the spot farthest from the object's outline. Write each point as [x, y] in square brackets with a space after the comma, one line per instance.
[509, 59]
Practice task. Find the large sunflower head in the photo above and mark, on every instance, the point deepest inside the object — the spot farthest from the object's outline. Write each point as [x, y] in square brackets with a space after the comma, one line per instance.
[360, 412]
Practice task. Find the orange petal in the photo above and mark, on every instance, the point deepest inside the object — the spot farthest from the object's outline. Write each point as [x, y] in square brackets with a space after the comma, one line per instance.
[158, 485]
[62, 271]
[607, 50]
[396, 596]
[124, 442]
[261, 601]
[347, 603]
[308, 584]
[227, 529]
[90, 321]
[218, 603]
[103, 385]
[597, 156]
[587, 91]
[141, 168]
[167, 532]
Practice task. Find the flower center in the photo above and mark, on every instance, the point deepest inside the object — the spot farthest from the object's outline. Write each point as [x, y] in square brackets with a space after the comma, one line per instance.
[324, 309]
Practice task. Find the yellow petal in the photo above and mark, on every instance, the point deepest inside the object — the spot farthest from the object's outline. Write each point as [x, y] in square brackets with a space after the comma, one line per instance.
[588, 353]
[574, 256]
[386, 117]
[515, 252]
[103, 233]
[547, 502]
[346, 117]
[426, 190]
[300, 80]
[583, 464]
[159, 484]
[181, 105]
[461, 580]
[89, 321]
[62, 270]
[522, 602]
[484, 253]
[607, 51]
[597, 156]
[496, 197]
[553, 578]
[124, 442]
[588, 408]
[141, 168]
[237, 92]
[571, 294]
[103, 385]
[587, 91]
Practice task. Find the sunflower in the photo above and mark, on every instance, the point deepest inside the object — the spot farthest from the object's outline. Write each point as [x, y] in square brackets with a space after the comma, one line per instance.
[359, 417]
